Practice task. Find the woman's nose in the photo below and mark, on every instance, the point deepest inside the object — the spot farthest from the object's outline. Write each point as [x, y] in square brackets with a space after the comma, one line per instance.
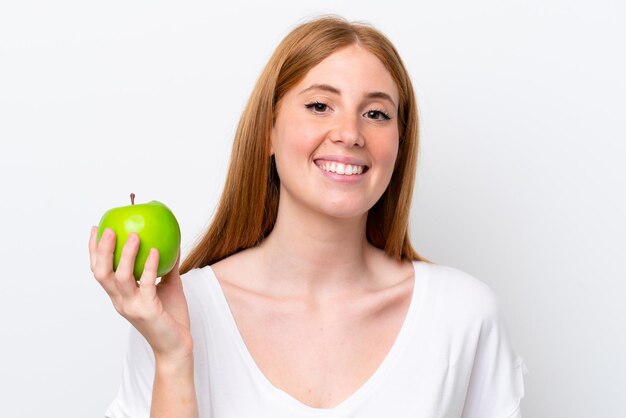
[347, 130]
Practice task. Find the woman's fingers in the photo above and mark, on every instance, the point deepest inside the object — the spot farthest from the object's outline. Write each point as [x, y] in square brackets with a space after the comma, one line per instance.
[93, 247]
[147, 283]
[103, 268]
[104, 254]
[124, 273]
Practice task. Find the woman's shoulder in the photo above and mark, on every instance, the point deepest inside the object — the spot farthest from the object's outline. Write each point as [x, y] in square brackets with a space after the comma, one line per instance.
[234, 269]
[460, 291]
[221, 268]
[223, 277]
[205, 287]
[195, 277]
[196, 287]
[454, 278]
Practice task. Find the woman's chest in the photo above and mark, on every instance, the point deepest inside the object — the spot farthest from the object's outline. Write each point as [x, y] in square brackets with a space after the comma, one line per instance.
[320, 356]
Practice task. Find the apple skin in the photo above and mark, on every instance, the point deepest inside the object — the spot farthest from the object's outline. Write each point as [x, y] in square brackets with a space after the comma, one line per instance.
[156, 226]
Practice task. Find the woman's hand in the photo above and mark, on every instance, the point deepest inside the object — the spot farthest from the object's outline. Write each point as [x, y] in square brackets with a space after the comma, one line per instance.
[159, 312]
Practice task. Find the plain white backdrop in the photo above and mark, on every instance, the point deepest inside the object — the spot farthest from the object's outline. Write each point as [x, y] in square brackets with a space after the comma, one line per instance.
[521, 178]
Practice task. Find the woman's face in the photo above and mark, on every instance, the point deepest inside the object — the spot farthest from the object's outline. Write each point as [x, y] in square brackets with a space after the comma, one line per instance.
[335, 137]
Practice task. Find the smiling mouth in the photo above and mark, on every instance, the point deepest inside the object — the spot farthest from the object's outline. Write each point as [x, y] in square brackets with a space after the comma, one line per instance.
[340, 168]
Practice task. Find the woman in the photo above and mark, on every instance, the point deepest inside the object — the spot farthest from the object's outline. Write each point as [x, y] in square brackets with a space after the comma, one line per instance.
[305, 297]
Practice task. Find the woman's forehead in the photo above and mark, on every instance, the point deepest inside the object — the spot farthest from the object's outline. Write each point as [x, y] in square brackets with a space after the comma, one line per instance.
[351, 70]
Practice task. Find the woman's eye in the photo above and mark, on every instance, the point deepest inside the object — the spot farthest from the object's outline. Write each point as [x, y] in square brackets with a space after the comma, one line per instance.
[317, 106]
[377, 115]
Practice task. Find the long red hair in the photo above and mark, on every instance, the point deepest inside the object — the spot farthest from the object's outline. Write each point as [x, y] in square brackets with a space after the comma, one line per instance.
[249, 203]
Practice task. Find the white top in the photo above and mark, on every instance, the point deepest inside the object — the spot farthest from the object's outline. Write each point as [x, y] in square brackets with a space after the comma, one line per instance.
[452, 359]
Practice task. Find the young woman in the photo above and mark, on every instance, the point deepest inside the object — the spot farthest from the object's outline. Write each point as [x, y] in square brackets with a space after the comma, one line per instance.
[305, 298]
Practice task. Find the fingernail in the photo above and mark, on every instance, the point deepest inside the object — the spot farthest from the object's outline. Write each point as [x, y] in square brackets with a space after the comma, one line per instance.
[132, 238]
[108, 233]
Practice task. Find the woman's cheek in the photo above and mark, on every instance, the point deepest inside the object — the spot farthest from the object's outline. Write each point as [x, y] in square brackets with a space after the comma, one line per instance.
[308, 138]
[388, 155]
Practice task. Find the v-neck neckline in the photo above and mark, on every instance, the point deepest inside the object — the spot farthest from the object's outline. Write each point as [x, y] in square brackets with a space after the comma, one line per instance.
[418, 296]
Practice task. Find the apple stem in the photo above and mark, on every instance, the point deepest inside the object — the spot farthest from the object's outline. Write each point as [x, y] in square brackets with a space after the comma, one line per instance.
[132, 198]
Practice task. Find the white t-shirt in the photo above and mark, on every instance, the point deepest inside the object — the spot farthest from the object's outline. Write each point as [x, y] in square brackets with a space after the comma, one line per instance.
[452, 359]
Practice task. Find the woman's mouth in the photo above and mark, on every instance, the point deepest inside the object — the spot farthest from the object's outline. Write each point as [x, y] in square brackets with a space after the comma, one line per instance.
[341, 168]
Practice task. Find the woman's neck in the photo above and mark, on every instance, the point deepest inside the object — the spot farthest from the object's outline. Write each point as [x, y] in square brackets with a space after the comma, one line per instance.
[308, 252]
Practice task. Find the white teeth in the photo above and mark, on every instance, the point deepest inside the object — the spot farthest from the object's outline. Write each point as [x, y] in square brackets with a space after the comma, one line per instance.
[339, 168]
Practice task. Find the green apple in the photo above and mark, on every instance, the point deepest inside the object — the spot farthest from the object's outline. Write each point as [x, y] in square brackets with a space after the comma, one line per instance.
[156, 226]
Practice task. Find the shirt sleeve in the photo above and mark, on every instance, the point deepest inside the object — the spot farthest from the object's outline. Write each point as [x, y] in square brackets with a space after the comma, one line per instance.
[496, 385]
[134, 396]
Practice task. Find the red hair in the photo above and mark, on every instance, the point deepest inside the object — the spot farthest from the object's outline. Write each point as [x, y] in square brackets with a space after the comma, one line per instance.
[249, 203]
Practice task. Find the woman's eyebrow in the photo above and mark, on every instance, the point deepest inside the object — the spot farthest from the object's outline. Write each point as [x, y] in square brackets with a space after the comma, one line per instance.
[331, 89]
[325, 87]
[381, 95]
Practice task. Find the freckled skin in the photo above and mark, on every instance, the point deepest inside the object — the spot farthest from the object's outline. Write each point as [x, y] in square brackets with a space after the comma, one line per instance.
[343, 124]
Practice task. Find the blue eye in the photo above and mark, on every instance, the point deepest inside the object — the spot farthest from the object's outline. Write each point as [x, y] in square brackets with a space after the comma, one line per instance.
[377, 115]
[317, 106]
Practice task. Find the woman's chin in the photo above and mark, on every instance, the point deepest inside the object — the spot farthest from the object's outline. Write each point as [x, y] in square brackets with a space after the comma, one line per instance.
[332, 205]
[345, 212]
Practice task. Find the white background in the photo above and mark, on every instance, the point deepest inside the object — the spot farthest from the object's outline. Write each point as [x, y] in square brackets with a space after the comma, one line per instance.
[520, 183]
